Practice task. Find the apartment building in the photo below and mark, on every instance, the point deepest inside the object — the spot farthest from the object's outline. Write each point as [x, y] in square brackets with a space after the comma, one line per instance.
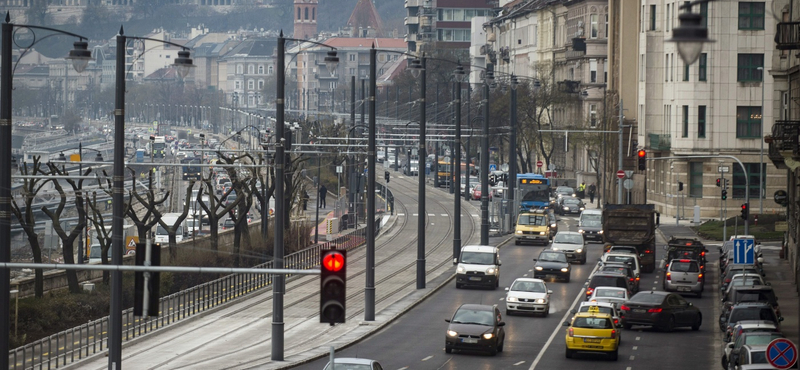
[447, 23]
[715, 107]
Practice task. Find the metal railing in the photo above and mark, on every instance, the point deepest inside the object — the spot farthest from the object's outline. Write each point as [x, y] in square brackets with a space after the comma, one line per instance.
[787, 36]
[89, 339]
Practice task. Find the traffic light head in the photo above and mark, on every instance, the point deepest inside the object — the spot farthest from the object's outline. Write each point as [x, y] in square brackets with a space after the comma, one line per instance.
[333, 277]
[642, 155]
[724, 194]
[386, 176]
[719, 181]
[745, 211]
[680, 186]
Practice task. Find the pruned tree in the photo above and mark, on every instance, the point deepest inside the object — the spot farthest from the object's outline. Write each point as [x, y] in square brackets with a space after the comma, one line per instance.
[172, 230]
[24, 214]
[214, 210]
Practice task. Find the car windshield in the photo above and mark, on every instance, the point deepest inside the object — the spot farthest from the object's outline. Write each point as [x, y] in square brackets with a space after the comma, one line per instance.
[532, 220]
[590, 223]
[623, 259]
[609, 293]
[564, 190]
[571, 201]
[568, 238]
[617, 269]
[591, 323]
[529, 286]
[684, 266]
[477, 258]
[601, 309]
[465, 316]
[552, 257]
[758, 357]
[647, 298]
[752, 313]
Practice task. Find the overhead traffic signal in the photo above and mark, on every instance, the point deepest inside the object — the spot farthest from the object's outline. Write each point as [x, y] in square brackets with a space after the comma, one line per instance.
[333, 278]
[745, 211]
[642, 154]
[492, 179]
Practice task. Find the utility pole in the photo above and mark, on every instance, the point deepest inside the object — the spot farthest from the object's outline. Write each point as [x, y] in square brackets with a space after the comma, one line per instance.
[619, 165]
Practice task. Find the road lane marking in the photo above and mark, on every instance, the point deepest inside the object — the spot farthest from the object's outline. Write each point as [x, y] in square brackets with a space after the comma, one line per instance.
[558, 329]
[519, 363]
[431, 215]
[628, 368]
[403, 368]
[427, 358]
[444, 215]
[631, 358]
[401, 214]
[638, 338]
[635, 348]
[415, 214]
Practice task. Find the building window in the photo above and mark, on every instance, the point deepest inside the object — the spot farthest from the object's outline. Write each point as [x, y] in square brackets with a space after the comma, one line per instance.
[606, 31]
[667, 22]
[652, 17]
[751, 16]
[702, 66]
[739, 184]
[351, 57]
[592, 70]
[299, 14]
[748, 122]
[352, 71]
[685, 132]
[686, 72]
[666, 67]
[704, 14]
[701, 121]
[306, 13]
[269, 70]
[250, 85]
[593, 23]
[250, 69]
[313, 13]
[261, 84]
[261, 70]
[593, 115]
[696, 179]
[239, 69]
[237, 85]
[748, 67]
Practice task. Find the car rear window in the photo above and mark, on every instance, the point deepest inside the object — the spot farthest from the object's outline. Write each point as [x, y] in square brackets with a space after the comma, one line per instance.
[752, 313]
[623, 259]
[761, 339]
[755, 297]
[647, 298]
[615, 269]
[688, 266]
[759, 357]
[606, 281]
[592, 323]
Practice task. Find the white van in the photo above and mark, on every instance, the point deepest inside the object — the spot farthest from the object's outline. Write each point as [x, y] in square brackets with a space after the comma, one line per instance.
[162, 236]
[478, 265]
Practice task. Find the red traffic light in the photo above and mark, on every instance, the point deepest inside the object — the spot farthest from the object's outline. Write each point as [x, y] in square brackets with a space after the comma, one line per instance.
[641, 153]
[744, 207]
[333, 261]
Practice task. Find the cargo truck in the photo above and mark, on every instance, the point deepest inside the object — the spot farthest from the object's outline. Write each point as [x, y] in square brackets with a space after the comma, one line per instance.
[632, 225]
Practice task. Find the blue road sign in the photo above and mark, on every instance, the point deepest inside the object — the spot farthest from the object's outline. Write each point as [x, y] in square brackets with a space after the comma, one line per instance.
[492, 167]
[744, 251]
[781, 353]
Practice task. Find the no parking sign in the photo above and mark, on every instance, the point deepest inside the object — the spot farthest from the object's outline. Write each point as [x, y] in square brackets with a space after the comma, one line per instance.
[781, 353]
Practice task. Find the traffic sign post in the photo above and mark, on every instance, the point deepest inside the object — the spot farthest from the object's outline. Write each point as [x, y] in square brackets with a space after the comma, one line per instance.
[781, 353]
[621, 174]
[492, 167]
[539, 164]
[744, 251]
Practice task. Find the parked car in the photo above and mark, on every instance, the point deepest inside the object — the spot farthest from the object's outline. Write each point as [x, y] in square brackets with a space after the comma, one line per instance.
[552, 264]
[742, 294]
[351, 363]
[528, 295]
[750, 354]
[733, 348]
[659, 309]
[476, 327]
[684, 275]
[747, 311]
[572, 244]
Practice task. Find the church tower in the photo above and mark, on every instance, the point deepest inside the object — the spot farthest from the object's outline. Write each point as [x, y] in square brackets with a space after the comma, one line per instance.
[305, 19]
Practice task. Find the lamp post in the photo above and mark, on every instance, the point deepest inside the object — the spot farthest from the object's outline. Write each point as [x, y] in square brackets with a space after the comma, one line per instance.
[487, 81]
[80, 57]
[418, 70]
[369, 290]
[459, 75]
[183, 64]
[331, 61]
[512, 152]
[761, 166]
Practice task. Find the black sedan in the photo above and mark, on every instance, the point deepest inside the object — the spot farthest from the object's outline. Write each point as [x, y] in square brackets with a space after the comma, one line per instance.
[570, 206]
[475, 327]
[551, 264]
[662, 310]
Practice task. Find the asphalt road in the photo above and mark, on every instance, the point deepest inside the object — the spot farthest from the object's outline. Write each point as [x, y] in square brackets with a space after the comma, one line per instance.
[416, 340]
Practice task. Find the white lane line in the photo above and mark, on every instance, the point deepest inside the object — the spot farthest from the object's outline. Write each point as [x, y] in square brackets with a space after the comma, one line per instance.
[558, 328]
[431, 215]
[401, 214]
[415, 214]
[635, 347]
[427, 358]
[631, 358]
[628, 368]
[519, 363]
[403, 368]
[476, 216]
[443, 215]
[638, 338]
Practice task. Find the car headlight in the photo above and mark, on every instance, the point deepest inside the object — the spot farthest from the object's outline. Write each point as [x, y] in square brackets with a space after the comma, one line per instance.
[541, 233]
[564, 269]
[582, 208]
[491, 271]
[573, 194]
[541, 300]
[566, 208]
[511, 299]
[553, 225]
[519, 232]
[554, 248]
[581, 231]
[600, 232]
[488, 336]
[579, 250]
[452, 333]
[538, 268]
[460, 269]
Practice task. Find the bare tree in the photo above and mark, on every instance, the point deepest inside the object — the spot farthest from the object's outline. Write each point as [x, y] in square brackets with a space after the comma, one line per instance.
[172, 230]
[30, 187]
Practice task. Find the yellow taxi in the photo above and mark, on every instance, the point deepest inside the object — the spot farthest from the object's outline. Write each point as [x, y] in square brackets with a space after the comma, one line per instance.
[593, 332]
[533, 227]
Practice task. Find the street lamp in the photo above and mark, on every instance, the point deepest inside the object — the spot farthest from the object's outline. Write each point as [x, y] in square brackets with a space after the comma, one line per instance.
[418, 71]
[183, 64]
[488, 80]
[459, 74]
[80, 57]
[512, 152]
[761, 165]
[331, 61]
[691, 34]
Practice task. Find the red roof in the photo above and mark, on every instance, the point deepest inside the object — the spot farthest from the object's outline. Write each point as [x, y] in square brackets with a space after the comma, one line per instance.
[365, 15]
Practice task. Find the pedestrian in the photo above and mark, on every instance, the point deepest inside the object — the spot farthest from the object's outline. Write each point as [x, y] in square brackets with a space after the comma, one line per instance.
[323, 192]
[592, 190]
[108, 204]
[305, 199]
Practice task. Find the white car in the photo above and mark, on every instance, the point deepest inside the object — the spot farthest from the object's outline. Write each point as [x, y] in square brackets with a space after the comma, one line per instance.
[626, 258]
[615, 296]
[528, 295]
[353, 363]
[602, 307]
[745, 280]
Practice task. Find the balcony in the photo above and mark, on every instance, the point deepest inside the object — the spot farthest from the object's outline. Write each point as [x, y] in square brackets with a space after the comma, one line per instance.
[660, 141]
[787, 36]
[411, 20]
[575, 54]
[783, 143]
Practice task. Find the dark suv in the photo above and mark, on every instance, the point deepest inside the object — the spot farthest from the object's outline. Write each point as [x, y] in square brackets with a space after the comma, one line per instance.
[747, 311]
[685, 248]
[611, 279]
[750, 294]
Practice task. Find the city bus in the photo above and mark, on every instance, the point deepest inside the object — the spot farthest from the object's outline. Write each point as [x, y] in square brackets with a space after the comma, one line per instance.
[534, 191]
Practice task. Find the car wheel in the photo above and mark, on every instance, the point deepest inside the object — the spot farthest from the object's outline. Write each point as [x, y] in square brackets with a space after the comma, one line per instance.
[509, 312]
[497, 282]
[569, 353]
[516, 242]
[546, 311]
[493, 351]
[696, 325]
[724, 362]
[567, 279]
[458, 285]
[699, 294]
[583, 261]
[626, 326]
[448, 349]
[613, 355]
[500, 349]
[670, 325]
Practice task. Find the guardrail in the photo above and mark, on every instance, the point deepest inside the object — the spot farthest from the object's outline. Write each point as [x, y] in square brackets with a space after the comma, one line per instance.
[66, 347]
